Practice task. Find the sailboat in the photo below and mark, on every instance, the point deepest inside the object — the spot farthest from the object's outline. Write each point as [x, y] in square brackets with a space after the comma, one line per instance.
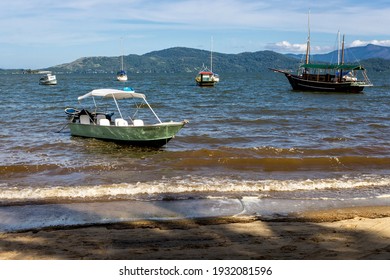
[340, 77]
[206, 77]
[121, 75]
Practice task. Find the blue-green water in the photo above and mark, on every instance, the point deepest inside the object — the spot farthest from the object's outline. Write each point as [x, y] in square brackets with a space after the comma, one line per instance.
[249, 136]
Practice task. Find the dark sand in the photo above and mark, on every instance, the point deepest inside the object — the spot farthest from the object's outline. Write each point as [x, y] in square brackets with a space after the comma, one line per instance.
[348, 233]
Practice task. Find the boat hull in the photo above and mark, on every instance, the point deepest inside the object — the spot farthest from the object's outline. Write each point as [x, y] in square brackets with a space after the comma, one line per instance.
[298, 83]
[122, 78]
[148, 135]
[205, 84]
[206, 79]
[48, 82]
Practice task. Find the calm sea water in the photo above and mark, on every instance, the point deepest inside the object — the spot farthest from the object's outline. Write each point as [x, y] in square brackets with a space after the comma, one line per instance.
[249, 136]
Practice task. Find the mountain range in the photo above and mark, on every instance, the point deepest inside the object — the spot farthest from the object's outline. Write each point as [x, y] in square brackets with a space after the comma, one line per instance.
[352, 54]
[181, 59]
[178, 60]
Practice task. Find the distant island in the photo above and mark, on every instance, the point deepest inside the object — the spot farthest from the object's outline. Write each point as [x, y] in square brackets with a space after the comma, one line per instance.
[181, 60]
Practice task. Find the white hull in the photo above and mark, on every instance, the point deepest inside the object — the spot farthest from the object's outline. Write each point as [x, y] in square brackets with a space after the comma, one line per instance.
[122, 78]
[48, 83]
[49, 80]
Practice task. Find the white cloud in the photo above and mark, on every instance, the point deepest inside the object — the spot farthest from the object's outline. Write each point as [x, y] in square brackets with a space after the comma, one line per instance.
[75, 28]
[360, 43]
[287, 47]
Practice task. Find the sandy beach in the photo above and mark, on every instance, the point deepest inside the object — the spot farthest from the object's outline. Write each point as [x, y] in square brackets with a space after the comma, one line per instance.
[347, 233]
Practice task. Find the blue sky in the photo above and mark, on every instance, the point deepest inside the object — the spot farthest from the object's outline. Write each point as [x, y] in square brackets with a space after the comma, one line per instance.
[42, 33]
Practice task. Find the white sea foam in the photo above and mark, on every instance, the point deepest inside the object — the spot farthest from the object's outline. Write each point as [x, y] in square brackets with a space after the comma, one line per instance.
[192, 185]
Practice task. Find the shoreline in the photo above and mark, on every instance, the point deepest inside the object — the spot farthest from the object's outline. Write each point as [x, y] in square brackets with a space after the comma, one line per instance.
[38, 216]
[342, 233]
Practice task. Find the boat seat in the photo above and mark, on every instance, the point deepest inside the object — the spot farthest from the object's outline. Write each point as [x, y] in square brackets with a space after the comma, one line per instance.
[84, 119]
[104, 122]
[121, 122]
[100, 117]
[138, 122]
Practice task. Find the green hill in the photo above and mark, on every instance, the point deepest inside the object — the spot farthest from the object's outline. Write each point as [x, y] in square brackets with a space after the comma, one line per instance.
[178, 60]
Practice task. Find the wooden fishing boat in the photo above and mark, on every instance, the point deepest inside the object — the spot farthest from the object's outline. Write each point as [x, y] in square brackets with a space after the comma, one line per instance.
[328, 78]
[340, 77]
[127, 129]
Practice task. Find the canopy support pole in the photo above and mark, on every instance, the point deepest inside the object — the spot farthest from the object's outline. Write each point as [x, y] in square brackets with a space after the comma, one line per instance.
[117, 106]
[152, 111]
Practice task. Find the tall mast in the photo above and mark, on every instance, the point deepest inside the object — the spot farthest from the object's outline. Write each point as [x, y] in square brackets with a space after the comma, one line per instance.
[122, 54]
[341, 59]
[211, 55]
[308, 40]
[342, 51]
[338, 48]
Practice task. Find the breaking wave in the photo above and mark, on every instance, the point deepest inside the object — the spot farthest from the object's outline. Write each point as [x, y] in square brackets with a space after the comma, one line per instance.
[190, 187]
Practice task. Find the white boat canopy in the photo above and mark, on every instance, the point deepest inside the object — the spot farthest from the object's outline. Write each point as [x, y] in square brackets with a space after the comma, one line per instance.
[112, 93]
[116, 94]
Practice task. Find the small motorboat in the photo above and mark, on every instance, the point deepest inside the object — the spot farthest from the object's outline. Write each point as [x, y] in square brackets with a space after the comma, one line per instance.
[48, 79]
[128, 127]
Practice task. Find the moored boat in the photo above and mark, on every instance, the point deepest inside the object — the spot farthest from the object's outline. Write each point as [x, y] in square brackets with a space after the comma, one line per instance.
[206, 77]
[328, 78]
[121, 76]
[129, 129]
[338, 77]
[48, 79]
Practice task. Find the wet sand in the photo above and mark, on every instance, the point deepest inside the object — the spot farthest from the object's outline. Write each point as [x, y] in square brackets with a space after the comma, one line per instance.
[347, 233]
